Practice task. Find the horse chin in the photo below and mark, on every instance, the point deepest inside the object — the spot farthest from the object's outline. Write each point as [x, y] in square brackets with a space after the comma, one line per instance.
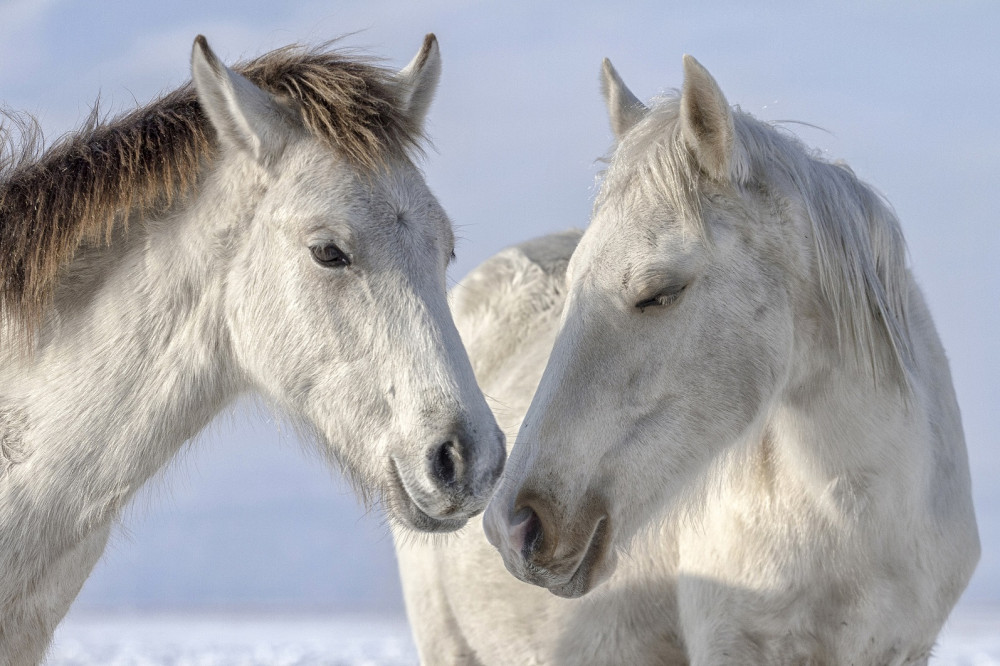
[404, 509]
[413, 517]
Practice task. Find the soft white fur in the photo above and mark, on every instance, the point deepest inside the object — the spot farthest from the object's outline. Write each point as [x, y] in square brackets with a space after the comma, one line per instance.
[775, 453]
[151, 337]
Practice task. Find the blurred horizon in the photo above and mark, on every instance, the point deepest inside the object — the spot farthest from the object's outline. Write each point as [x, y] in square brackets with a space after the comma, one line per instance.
[906, 95]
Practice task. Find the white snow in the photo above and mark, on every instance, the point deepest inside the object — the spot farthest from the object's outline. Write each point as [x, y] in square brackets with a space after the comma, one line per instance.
[199, 640]
[971, 638]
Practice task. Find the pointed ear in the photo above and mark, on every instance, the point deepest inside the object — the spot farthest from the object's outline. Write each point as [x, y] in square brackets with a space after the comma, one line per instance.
[419, 80]
[624, 108]
[243, 116]
[707, 121]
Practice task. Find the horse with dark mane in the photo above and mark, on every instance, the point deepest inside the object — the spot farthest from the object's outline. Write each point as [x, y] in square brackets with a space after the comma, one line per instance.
[262, 231]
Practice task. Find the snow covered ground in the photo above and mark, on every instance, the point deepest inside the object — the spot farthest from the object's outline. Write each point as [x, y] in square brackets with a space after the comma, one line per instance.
[971, 638]
[199, 640]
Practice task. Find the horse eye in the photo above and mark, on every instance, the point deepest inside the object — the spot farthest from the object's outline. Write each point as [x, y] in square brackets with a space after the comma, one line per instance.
[667, 297]
[329, 255]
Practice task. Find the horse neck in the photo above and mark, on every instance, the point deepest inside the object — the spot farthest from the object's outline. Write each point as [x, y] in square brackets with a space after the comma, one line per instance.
[133, 360]
[836, 433]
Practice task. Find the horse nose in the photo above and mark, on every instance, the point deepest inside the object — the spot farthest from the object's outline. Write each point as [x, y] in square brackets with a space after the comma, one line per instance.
[466, 466]
[518, 533]
[446, 464]
[525, 532]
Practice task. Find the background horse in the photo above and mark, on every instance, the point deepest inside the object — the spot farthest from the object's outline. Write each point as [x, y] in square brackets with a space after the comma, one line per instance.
[745, 446]
[463, 606]
[260, 232]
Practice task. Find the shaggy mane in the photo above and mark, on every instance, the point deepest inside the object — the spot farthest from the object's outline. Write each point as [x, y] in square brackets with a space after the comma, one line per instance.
[859, 246]
[90, 182]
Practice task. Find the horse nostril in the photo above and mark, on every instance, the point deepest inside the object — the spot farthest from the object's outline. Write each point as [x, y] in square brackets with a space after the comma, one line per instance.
[445, 463]
[528, 527]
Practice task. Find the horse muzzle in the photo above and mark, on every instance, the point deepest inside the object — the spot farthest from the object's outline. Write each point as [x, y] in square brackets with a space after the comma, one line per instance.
[568, 563]
[448, 483]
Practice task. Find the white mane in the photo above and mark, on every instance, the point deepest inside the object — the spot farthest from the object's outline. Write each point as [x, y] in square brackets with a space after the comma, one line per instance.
[859, 248]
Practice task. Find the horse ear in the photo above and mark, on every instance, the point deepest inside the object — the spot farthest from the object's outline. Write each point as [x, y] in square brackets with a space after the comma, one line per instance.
[244, 116]
[419, 80]
[707, 121]
[624, 108]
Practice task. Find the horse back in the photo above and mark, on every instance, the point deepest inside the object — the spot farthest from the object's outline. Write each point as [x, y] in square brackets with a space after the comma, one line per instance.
[507, 311]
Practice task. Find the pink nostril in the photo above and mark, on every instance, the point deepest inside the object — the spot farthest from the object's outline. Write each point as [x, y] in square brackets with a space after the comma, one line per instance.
[518, 534]
[525, 532]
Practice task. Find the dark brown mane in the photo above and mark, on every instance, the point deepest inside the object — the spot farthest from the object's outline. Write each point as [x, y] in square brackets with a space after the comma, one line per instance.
[88, 183]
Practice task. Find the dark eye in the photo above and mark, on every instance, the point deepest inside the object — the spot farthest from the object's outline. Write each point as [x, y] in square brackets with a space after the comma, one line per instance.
[665, 297]
[329, 255]
[452, 256]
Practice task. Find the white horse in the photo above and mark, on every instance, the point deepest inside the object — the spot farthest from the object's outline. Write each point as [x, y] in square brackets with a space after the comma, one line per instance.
[745, 446]
[260, 232]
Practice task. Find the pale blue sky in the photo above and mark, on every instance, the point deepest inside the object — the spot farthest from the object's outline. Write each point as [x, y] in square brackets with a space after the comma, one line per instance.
[906, 93]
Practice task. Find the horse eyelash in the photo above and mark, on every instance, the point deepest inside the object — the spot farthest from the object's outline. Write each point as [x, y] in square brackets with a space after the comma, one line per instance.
[661, 299]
